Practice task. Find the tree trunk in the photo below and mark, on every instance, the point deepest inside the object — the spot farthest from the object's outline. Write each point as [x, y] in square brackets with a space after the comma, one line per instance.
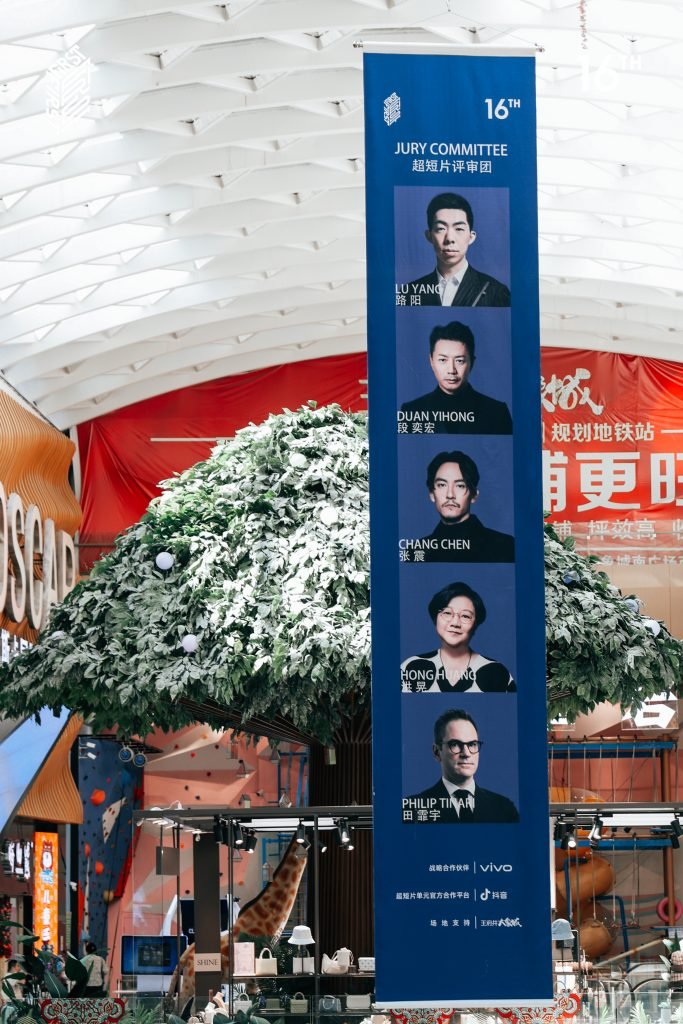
[346, 904]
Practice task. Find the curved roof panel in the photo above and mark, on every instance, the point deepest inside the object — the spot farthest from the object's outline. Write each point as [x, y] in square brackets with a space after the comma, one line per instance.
[196, 209]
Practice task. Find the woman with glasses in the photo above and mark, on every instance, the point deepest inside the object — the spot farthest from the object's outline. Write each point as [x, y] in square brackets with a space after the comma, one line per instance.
[456, 611]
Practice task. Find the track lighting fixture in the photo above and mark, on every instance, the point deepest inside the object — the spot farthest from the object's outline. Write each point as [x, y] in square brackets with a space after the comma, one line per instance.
[595, 834]
[301, 833]
[237, 834]
[674, 841]
[250, 841]
[322, 844]
[676, 827]
[343, 832]
[218, 829]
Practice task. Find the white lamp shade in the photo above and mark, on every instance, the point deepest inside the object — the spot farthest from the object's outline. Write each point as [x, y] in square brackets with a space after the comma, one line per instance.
[301, 936]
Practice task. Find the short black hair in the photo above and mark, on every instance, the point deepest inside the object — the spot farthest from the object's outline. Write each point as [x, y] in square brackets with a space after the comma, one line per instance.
[444, 597]
[9, 964]
[452, 715]
[449, 201]
[454, 331]
[468, 468]
[90, 947]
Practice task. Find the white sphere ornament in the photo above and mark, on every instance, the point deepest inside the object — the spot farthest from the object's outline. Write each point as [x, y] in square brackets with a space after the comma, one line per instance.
[298, 460]
[632, 604]
[189, 643]
[164, 561]
[329, 515]
[654, 626]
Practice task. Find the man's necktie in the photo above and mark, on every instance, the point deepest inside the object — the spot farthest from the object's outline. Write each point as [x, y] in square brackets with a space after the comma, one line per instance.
[463, 800]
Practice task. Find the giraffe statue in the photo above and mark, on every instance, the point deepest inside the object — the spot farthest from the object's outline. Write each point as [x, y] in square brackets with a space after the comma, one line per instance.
[265, 915]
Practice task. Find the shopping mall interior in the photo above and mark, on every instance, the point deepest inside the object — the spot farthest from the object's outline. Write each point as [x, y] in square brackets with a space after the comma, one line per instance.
[200, 734]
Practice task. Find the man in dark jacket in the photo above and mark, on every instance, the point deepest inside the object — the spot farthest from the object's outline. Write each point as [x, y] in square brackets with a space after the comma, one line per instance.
[456, 798]
[454, 407]
[450, 231]
[460, 536]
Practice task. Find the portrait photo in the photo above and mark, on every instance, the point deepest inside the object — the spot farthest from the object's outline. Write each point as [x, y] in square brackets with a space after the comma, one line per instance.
[459, 761]
[452, 247]
[490, 638]
[454, 372]
[456, 500]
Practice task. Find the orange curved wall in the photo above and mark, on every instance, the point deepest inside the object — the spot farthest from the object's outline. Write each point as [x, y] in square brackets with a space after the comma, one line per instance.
[34, 462]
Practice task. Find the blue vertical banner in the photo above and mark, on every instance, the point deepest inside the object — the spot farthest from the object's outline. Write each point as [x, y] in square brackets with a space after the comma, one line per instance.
[462, 888]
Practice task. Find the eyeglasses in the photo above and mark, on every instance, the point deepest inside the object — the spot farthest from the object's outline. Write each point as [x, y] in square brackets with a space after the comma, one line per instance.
[448, 614]
[457, 746]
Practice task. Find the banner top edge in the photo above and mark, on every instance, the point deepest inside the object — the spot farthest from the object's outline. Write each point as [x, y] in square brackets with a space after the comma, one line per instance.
[378, 46]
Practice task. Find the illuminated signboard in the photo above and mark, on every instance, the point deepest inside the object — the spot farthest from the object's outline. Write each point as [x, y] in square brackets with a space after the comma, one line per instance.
[45, 873]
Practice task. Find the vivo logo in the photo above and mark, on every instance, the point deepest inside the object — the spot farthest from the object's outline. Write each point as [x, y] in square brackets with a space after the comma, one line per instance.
[495, 867]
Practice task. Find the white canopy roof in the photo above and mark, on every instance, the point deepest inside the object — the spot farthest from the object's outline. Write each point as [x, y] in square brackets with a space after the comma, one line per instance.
[203, 214]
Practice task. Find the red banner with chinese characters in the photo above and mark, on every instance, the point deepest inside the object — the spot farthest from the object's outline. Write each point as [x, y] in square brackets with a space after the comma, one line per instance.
[613, 448]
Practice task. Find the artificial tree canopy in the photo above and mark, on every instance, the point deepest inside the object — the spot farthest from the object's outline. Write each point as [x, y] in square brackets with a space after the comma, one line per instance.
[271, 552]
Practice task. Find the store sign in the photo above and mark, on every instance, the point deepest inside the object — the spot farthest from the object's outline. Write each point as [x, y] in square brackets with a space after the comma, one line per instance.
[45, 892]
[17, 857]
[37, 562]
[458, 641]
[613, 452]
[207, 961]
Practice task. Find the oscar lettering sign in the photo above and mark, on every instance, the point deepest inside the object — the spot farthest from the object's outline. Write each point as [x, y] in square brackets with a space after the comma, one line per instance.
[37, 562]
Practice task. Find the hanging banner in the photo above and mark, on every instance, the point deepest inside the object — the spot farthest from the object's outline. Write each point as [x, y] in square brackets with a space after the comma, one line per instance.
[613, 453]
[45, 888]
[461, 819]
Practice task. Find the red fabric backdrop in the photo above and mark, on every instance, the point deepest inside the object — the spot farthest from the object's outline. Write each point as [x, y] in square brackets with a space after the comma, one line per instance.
[121, 466]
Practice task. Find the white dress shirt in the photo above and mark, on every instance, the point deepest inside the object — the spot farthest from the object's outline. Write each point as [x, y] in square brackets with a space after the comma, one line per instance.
[448, 286]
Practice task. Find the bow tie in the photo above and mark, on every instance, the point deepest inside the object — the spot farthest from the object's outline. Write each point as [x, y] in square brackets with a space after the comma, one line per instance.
[463, 800]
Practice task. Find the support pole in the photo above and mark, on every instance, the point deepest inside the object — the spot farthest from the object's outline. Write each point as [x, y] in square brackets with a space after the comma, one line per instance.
[668, 854]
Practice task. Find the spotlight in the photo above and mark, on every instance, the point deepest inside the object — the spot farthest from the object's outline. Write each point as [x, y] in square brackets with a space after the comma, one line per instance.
[125, 755]
[139, 759]
[343, 832]
[237, 834]
[250, 842]
[218, 829]
[676, 827]
[595, 834]
[674, 841]
[322, 844]
[571, 838]
[301, 834]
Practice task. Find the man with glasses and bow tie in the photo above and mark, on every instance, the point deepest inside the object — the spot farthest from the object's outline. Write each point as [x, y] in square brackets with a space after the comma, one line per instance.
[456, 798]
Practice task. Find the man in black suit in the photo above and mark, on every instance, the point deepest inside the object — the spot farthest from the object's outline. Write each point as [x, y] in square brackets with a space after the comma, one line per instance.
[454, 407]
[456, 798]
[450, 230]
[459, 536]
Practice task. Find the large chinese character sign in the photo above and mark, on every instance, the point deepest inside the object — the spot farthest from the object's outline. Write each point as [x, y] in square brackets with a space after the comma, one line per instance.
[461, 876]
